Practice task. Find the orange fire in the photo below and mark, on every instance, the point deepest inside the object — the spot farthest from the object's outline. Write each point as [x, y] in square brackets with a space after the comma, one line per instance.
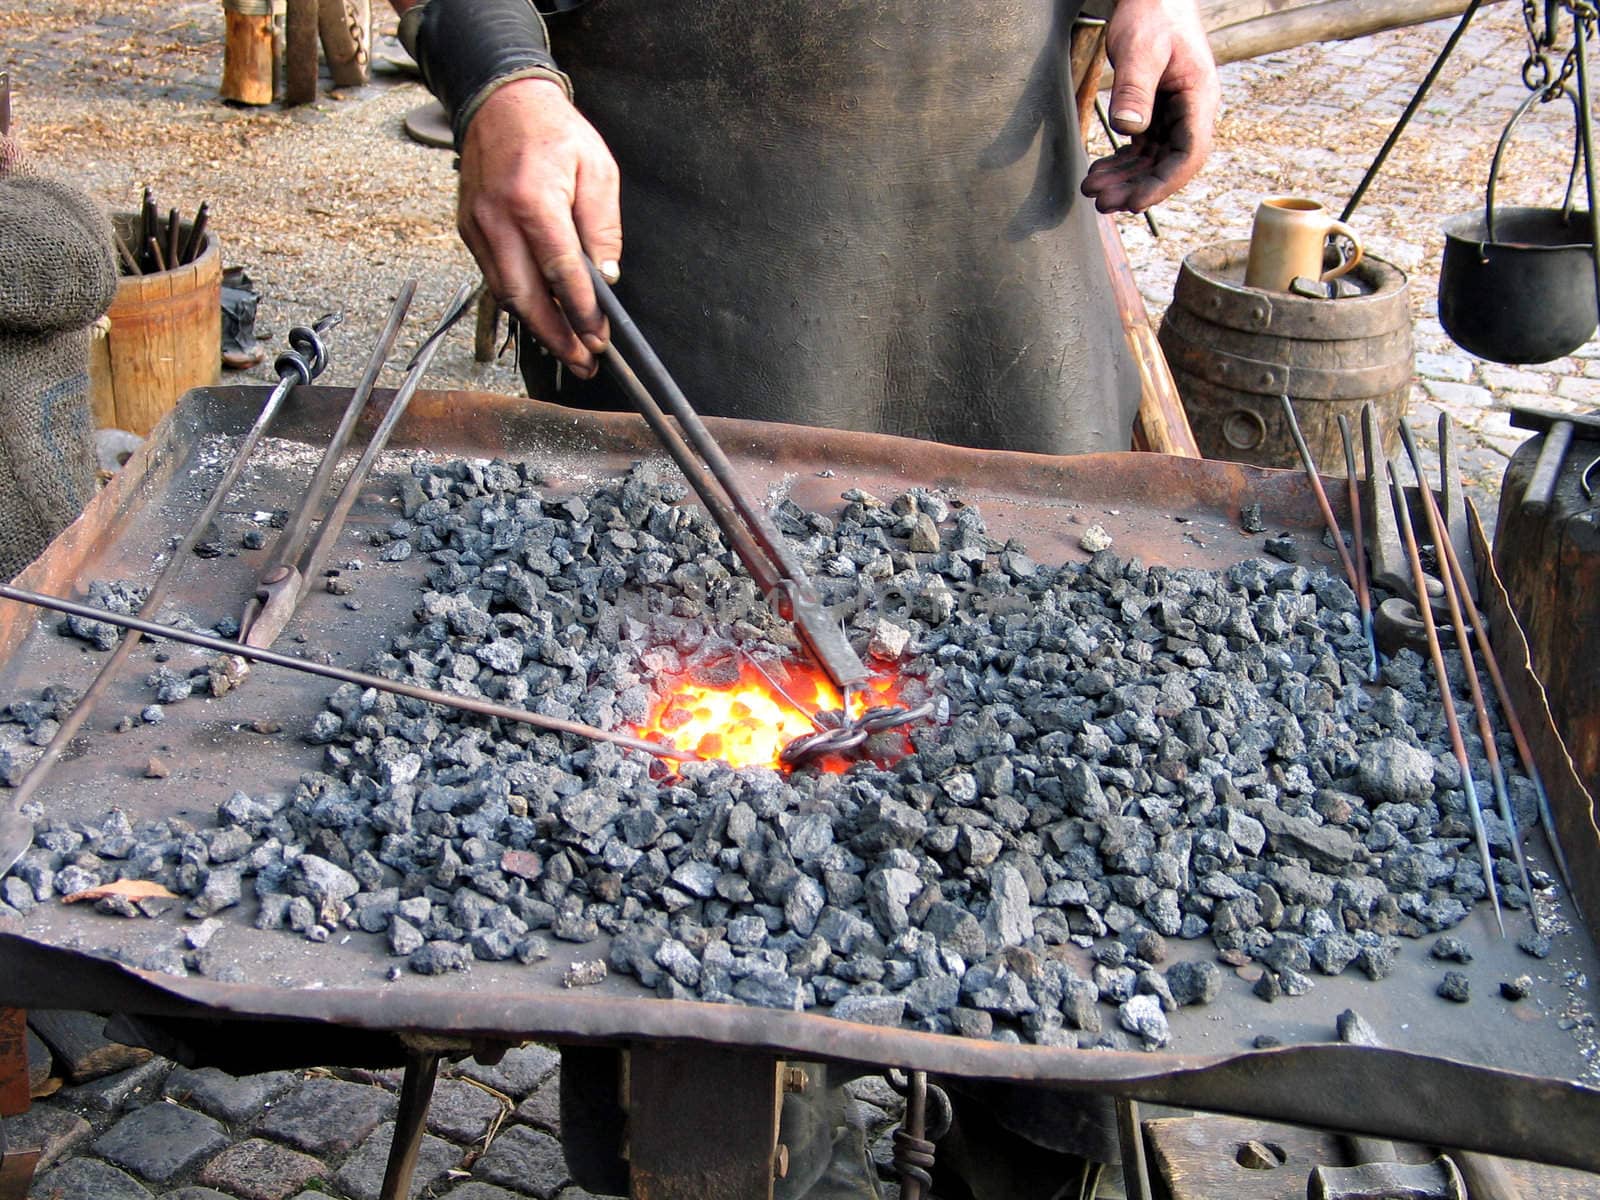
[747, 723]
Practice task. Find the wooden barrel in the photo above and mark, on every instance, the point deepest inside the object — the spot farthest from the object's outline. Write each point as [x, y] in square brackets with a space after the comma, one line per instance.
[1235, 350]
[165, 337]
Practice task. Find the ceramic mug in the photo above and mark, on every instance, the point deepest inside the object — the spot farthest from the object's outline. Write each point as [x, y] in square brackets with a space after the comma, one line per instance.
[1288, 240]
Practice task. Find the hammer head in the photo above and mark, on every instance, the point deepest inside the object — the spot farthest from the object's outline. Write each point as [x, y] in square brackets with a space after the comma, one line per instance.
[1436, 1180]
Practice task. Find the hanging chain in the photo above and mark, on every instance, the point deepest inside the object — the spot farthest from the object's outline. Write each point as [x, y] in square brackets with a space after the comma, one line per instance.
[1537, 74]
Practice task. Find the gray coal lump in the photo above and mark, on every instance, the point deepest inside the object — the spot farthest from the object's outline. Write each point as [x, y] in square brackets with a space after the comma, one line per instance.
[1131, 769]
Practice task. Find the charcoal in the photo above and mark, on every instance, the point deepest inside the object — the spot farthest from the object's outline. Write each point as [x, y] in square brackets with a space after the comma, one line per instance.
[1120, 755]
[1142, 1015]
[1455, 986]
[769, 987]
[223, 889]
[1331, 953]
[1517, 989]
[1194, 982]
[1267, 987]
[870, 1010]
[1450, 949]
[439, 958]
[1536, 945]
[119, 596]
[972, 1022]
[1390, 770]
[1377, 959]
[930, 995]
[1009, 918]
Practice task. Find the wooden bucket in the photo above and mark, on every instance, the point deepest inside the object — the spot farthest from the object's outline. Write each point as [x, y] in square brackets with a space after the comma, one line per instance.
[1235, 350]
[165, 337]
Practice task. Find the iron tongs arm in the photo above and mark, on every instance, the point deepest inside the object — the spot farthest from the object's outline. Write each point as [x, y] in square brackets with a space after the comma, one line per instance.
[770, 561]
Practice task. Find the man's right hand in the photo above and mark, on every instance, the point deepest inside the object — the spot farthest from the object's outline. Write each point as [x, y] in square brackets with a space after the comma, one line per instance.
[539, 190]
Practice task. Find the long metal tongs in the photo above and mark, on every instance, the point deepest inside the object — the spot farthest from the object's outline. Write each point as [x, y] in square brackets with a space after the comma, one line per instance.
[303, 362]
[758, 544]
[278, 586]
[744, 523]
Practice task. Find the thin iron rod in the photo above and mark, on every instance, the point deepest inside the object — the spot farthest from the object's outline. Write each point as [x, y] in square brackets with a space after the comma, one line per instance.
[292, 540]
[361, 679]
[1322, 496]
[915, 1126]
[1421, 94]
[779, 688]
[73, 721]
[1452, 720]
[1111, 137]
[328, 532]
[1363, 587]
[1453, 595]
[1524, 751]
[704, 482]
[411, 1119]
[1580, 43]
[197, 232]
[660, 381]
[128, 260]
[172, 238]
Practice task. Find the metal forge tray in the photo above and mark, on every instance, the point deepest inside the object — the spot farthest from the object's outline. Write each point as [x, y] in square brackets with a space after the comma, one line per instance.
[1510, 1078]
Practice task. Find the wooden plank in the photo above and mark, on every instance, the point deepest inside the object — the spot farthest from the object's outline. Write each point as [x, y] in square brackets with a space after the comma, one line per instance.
[702, 1123]
[15, 1094]
[81, 1046]
[247, 57]
[1198, 1158]
[300, 53]
[1331, 20]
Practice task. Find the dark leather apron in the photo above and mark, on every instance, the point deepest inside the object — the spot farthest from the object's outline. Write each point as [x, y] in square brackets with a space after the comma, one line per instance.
[862, 214]
[856, 213]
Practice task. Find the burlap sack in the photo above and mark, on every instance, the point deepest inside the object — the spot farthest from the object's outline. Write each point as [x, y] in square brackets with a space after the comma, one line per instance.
[58, 274]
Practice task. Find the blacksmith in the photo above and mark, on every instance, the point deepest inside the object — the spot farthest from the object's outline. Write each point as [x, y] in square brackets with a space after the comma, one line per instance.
[842, 213]
[864, 214]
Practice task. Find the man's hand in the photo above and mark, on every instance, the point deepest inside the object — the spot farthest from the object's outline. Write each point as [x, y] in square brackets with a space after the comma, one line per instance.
[1165, 93]
[539, 191]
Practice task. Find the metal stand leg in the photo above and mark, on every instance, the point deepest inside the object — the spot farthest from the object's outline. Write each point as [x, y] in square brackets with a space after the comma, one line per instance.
[1135, 1171]
[1580, 43]
[1423, 89]
[416, 1094]
[703, 1123]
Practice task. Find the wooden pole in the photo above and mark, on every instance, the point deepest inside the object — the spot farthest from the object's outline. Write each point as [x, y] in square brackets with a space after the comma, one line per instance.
[247, 53]
[300, 53]
[1162, 425]
[346, 29]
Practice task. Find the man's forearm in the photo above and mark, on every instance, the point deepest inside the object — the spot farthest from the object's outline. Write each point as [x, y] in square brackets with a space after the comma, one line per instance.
[468, 48]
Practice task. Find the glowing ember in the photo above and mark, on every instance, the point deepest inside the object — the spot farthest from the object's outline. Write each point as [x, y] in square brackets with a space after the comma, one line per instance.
[747, 723]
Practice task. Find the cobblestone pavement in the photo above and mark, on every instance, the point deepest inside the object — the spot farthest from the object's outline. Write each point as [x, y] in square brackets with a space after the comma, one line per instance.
[330, 206]
[164, 1130]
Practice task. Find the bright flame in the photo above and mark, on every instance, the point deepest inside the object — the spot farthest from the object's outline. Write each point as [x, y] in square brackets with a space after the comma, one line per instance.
[748, 723]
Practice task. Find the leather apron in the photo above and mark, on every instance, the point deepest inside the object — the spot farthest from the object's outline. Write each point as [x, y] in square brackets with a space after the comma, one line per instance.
[861, 214]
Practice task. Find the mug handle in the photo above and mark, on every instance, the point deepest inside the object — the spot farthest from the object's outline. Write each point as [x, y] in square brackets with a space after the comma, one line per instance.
[1349, 264]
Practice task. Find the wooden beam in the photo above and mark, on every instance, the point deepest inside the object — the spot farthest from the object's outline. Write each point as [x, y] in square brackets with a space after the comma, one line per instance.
[1241, 29]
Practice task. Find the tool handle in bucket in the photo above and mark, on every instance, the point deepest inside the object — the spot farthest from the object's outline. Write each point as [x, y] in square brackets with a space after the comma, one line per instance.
[1505, 140]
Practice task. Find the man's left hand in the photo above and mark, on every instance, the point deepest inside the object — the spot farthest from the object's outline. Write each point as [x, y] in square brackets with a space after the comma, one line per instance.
[1165, 94]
